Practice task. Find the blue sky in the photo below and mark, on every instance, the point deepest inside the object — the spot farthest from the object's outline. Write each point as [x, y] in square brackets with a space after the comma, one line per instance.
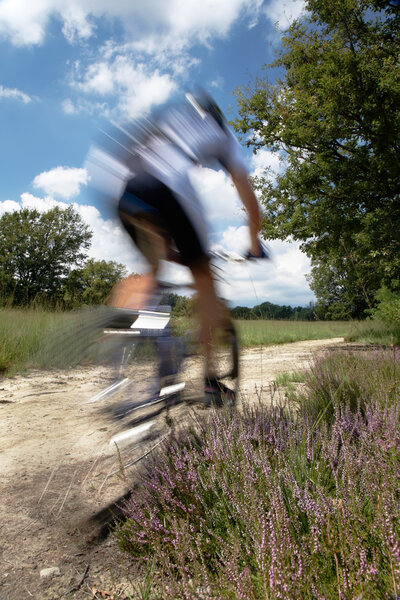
[67, 66]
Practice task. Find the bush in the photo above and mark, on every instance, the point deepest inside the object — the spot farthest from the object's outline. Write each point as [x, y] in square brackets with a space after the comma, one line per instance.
[274, 503]
[388, 307]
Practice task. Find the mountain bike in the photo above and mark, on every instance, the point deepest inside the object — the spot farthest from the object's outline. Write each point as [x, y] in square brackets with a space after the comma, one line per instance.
[158, 383]
[158, 368]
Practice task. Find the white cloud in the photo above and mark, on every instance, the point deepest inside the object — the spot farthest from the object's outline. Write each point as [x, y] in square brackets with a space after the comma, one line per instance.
[283, 12]
[14, 94]
[76, 24]
[98, 79]
[68, 107]
[8, 206]
[134, 86]
[63, 182]
[23, 22]
[134, 76]
[217, 194]
[81, 105]
[266, 164]
[176, 21]
[40, 204]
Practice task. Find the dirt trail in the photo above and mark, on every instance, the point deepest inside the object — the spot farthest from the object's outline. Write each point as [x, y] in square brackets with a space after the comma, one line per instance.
[57, 469]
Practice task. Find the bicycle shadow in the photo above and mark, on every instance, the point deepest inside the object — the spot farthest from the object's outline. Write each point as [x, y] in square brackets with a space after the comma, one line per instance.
[108, 518]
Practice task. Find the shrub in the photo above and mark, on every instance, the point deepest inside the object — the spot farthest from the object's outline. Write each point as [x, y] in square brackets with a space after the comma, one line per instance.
[388, 306]
[271, 503]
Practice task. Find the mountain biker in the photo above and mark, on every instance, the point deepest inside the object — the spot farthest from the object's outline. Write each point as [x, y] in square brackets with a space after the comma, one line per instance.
[161, 212]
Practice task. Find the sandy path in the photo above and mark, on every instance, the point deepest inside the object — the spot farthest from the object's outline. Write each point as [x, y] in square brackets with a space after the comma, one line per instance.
[57, 469]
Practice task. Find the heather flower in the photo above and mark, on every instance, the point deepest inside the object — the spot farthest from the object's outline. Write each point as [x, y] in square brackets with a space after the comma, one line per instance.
[281, 503]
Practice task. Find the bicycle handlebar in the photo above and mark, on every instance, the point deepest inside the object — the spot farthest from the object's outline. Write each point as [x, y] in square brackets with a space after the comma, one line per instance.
[222, 254]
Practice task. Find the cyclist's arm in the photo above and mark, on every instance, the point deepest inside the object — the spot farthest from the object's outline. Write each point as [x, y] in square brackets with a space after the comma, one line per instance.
[234, 164]
[250, 202]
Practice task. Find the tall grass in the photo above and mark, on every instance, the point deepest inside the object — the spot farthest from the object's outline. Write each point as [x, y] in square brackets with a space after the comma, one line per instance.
[39, 338]
[253, 333]
[375, 332]
[22, 333]
[280, 503]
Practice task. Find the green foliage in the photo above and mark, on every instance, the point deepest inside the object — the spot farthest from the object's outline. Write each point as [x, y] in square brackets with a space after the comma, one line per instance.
[182, 306]
[43, 261]
[38, 251]
[92, 283]
[387, 308]
[288, 382]
[24, 334]
[334, 119]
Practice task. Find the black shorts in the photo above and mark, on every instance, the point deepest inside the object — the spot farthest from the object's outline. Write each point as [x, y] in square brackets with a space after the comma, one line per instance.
[148, 199]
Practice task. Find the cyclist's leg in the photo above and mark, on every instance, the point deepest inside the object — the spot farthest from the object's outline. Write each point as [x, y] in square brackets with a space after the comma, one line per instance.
[221, 363]
[187, 228]
[141, 220]
[210, 311]
[188, 234]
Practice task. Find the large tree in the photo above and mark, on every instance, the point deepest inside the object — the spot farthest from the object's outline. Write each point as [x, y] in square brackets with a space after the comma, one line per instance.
[334, 118]
[92, 283]
[38, 251]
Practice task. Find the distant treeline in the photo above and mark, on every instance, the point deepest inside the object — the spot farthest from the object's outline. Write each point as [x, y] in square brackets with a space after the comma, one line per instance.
[267, 310]
[183, 306]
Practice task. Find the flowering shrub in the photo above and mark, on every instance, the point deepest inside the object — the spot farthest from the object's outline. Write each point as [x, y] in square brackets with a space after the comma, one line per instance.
[271, 503]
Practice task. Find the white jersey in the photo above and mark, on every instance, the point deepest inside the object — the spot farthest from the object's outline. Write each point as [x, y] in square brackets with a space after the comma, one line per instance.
[169, 149]
[182, 140]
[186, 138]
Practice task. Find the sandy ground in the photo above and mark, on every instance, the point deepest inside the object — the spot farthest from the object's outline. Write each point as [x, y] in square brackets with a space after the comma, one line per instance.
[57, 469]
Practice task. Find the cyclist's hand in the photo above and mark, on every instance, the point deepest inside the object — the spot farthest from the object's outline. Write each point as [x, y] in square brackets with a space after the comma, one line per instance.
[263, 252]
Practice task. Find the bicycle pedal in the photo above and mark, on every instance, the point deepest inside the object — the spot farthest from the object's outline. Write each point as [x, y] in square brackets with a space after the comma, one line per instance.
[172, 388]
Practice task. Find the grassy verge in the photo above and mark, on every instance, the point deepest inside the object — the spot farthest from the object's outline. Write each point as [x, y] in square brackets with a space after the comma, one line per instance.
[22, 334]
[294, 501]
[375, 332]
[38, 338]
[253, 333]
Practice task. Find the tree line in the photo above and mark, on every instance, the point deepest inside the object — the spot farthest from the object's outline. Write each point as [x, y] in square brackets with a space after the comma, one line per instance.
[268, 310]
[182, 306]
[43, 259]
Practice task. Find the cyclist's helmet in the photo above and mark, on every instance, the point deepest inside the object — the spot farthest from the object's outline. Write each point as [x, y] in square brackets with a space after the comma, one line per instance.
[204, 104]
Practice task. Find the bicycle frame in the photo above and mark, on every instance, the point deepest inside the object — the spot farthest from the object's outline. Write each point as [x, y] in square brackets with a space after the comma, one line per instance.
[129, 328]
